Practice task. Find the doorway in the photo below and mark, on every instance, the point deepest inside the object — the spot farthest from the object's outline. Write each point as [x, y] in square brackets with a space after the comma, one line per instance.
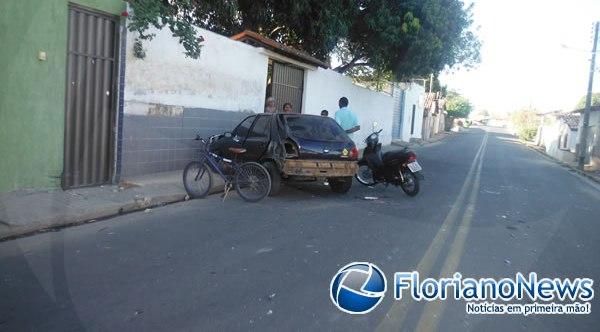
[90, 105]
[285, 83]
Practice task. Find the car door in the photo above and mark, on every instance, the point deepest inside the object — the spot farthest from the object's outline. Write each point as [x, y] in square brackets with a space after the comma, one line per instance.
[238, 136]
[258, 138]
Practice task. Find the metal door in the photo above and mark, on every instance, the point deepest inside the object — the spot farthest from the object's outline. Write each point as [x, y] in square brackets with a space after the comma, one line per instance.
[90, 98]
[288, 83]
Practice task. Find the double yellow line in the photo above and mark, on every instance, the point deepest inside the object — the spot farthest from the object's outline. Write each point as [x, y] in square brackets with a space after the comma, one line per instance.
[394, 319]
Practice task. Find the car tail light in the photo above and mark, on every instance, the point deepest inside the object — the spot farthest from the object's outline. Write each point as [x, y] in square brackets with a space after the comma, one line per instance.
[354, 153]
[412, 157]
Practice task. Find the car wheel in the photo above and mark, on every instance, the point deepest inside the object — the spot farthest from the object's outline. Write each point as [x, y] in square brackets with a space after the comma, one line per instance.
[340, 185]
[275, 177]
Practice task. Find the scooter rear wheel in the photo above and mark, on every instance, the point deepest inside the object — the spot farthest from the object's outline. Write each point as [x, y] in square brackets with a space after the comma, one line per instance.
[410, 186]
[364, 175]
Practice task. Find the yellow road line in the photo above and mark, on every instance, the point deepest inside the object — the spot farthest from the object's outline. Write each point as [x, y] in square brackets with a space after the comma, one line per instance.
[431, 315]
[394, 318]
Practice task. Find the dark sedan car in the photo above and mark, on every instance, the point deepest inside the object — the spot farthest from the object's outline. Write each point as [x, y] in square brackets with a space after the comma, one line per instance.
[294, 146]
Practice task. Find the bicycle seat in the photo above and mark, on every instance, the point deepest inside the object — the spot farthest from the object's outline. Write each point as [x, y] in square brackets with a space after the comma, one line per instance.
[237, 150]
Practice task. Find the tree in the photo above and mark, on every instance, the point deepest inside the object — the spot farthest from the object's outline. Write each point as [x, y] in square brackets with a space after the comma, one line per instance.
[412, 38]
[595, 101]
[526, 121]
[457, 105]
[408, 38]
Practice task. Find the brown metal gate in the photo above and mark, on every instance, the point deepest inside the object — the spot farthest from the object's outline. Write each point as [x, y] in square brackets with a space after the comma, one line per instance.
[90, 98]
[288, 83]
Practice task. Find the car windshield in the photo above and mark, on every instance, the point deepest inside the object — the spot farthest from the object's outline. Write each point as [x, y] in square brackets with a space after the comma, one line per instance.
[315, 128]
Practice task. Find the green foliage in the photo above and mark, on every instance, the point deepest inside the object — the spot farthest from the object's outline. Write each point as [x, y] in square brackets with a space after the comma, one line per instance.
[457, 105]
[409, 38]
[526, 121]
[595, 101]
[177, 15]
[412, 38]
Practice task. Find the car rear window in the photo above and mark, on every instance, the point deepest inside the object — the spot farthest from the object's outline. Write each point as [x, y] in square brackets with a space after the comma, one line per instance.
[315, 128]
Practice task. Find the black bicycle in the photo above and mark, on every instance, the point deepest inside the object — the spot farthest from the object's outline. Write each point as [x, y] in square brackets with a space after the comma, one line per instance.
[251, 180]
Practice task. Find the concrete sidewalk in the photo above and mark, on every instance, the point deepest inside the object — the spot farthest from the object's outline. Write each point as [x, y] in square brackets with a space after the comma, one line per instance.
[27, 211]
[593, 175]
[421, 142]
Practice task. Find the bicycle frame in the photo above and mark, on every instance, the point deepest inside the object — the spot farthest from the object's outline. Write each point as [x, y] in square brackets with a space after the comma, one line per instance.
[213, 159]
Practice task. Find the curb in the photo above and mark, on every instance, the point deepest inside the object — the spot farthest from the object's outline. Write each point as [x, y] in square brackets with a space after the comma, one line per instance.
[61, 222]
[561, 163]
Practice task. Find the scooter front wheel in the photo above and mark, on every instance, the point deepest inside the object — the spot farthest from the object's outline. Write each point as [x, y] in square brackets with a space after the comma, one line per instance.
[364, 175]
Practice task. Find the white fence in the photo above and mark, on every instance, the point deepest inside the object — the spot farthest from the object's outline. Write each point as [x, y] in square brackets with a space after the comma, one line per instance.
[323, 89]
[229, 76]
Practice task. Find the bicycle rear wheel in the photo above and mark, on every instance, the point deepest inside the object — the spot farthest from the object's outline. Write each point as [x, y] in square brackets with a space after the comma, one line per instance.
[197, 179]
[252, 182]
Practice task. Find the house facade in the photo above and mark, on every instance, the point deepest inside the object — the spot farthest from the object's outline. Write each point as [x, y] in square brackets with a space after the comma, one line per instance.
[558, 135]
[59, 92]
[408, 111]
[434, 115]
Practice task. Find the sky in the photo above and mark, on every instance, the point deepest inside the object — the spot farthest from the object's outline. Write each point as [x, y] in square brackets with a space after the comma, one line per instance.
[524, 62]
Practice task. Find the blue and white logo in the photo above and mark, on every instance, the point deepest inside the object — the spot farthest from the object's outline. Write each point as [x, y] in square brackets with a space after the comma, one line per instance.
[358, 288]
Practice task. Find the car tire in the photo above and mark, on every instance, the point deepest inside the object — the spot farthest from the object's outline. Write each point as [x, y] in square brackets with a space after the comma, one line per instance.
[275, 177]
[340, 185]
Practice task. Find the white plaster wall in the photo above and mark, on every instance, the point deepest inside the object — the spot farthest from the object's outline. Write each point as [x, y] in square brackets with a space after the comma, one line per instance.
[550, 139]
[229, 75]
[414, 96]
[323, 89]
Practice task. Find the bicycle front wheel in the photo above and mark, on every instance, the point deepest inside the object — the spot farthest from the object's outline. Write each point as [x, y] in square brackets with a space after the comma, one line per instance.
[252, 182]
[197, 179]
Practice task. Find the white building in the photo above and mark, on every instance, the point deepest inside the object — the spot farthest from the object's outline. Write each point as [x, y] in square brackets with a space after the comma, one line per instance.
[558, 135]
[408, 111]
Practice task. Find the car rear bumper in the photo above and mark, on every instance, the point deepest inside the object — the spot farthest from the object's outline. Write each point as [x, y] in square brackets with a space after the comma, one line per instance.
[320, 168]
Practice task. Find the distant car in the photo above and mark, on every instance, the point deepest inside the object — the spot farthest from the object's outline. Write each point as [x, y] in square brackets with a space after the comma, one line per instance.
[294, 147]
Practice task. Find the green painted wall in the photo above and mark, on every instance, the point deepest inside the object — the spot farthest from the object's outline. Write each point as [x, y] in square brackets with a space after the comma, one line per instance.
[32, 92]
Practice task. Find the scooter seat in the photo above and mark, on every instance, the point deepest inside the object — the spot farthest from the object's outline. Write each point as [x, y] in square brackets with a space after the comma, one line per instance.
[394, 157]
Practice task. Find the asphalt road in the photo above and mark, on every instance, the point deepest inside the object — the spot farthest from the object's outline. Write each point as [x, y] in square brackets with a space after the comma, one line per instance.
[489, 208]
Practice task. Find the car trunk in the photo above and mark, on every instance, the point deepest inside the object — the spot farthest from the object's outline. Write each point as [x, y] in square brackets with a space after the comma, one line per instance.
[311, 149]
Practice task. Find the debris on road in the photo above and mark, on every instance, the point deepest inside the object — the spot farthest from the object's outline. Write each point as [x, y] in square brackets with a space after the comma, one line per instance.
[370, 198]
[491, 192]
[264, 250]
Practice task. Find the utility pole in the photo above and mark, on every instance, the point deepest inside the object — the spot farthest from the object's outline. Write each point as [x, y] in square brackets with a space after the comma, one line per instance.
[431, 83]
[583, 149]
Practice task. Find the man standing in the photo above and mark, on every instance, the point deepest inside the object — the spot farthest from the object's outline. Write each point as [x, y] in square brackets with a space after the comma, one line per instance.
[346, 118]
